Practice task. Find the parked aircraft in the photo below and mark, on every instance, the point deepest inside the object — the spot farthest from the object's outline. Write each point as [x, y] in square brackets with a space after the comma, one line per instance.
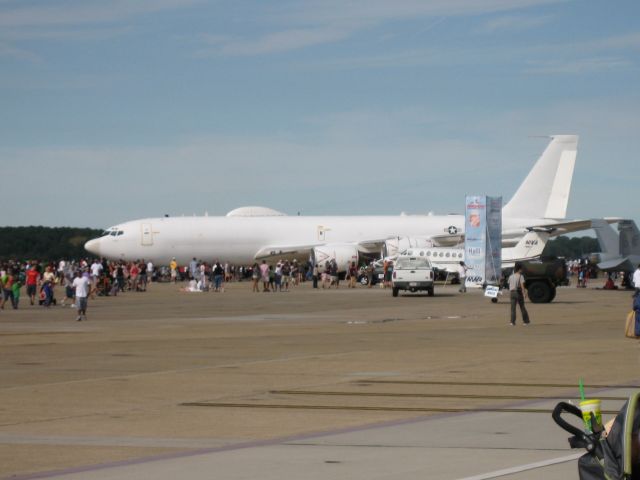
[448, 259]
[248, 234]
[619, 251]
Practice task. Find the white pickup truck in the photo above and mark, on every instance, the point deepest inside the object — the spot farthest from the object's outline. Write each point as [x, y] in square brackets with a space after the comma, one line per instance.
[412, 273]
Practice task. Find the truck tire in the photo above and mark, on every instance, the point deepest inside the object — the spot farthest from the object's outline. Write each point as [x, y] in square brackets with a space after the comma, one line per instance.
[539, 292]
[553, 294]
[430, 292]
[394, 291]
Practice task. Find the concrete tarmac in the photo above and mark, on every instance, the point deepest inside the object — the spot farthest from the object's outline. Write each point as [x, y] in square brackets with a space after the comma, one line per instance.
[304, 384]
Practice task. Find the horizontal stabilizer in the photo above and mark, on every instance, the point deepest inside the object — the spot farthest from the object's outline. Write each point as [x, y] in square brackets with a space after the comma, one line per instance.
[620, 263]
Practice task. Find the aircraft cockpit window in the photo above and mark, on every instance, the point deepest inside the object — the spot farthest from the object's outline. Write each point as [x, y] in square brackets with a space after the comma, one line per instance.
[120, 232]
[105, 233]
[114, 233]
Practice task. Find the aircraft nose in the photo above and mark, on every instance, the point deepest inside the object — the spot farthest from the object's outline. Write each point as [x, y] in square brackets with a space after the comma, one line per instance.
[93, 246]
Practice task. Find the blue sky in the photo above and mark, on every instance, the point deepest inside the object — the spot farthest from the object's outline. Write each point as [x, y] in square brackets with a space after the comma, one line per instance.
[116, 109]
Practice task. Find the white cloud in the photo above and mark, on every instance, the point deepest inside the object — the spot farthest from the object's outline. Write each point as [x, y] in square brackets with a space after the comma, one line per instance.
[272, 43]
[298, 25]
[514, 23]
[81, 12]
[579, 66]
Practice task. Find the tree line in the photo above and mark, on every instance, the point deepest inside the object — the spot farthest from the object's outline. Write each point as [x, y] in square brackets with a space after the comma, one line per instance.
[44, 243]
[571, 248]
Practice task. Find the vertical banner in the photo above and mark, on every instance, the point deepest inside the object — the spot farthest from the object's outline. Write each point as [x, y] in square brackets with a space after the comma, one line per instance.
[475, 239]
[483, 240]
[493, 259]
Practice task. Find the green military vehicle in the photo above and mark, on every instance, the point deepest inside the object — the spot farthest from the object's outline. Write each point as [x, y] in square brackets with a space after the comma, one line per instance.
[542, 276]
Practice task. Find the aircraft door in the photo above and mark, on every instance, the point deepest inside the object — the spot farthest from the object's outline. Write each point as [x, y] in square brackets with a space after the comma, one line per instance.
[147, 234]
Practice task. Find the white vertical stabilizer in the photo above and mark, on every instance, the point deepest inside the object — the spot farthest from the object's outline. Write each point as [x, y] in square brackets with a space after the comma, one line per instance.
[608, 239]
[545, 191]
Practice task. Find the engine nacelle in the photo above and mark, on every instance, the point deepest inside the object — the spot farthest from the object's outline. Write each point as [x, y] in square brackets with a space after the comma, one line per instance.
[397, 245]
[342, 253]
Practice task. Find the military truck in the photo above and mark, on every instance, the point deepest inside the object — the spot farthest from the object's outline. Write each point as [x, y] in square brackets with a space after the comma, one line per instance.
[542, 277]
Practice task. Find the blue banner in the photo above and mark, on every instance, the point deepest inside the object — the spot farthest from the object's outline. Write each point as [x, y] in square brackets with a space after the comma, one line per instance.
[483, 239]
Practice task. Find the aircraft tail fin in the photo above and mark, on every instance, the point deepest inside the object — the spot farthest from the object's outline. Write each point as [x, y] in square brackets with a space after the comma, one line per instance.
[530, 245]
[545, 191]
[629, 238]
[608, 239]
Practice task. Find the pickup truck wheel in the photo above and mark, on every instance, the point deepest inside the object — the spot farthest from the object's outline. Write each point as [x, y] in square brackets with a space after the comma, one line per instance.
[430, 292]
[539, 292]
[395, 291]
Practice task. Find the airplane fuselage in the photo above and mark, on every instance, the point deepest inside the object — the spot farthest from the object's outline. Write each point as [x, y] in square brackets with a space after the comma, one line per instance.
[238, 239]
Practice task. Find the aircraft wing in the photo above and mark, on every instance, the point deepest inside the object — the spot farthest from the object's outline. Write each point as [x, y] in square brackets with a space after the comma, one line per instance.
[447, 240]
[299, 251]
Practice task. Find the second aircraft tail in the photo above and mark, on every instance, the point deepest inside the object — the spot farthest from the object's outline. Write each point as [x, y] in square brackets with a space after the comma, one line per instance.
[545, 191]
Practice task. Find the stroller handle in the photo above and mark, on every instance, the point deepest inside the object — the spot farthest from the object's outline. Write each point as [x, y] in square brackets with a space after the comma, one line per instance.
[572, 409]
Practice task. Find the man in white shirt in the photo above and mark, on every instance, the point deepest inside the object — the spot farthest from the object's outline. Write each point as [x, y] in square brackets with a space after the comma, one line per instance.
[82, 288]
[462, 276]
[636, 280]
[96, 271]
[149, 272]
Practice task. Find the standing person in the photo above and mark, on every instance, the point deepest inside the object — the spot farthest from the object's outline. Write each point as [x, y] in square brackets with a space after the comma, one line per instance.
[134, 271]
[218, 278]
[636, 309]
[149, 272]
[286, 276]
[278, 277]
[264, 273]
[17, 285]
[33, 278]
[315, 275]
[636, 280]
[48, 280]
[462, 275]
[96, 271]
[7, 287]
[142, 276]
[517, 294]
[193, 269]
[255, 277]
[174, 270]
[353, 275]
[82, 287]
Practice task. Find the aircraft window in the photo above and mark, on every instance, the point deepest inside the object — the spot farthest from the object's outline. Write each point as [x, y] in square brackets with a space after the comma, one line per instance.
[422, 254]
[459, 255]
[447, 255]
[428, 254]
[105, 233]
[441, 254]
[113, 233]
[120, 232]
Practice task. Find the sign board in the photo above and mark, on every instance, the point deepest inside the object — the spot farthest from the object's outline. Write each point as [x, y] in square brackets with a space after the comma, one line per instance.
[483, 239]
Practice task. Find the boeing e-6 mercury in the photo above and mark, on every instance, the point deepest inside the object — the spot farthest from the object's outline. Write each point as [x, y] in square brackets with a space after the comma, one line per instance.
[254, 233]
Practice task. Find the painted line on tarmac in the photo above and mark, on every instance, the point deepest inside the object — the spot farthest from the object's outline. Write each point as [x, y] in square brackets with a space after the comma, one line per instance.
[427, 395]
[493, 384]
[524, 468]
[374, 408]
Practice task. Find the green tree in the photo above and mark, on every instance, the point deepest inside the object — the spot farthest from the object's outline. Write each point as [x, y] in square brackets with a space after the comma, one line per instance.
[44, 243]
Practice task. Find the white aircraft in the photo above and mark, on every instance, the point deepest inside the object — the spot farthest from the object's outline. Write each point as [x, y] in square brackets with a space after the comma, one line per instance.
[248, 234]
[448, 259]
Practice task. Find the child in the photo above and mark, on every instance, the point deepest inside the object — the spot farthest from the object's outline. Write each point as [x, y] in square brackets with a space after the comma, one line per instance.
[17, 284]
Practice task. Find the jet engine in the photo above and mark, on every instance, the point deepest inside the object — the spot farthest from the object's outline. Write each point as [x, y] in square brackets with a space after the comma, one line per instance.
[342, 253]
[397, 245]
